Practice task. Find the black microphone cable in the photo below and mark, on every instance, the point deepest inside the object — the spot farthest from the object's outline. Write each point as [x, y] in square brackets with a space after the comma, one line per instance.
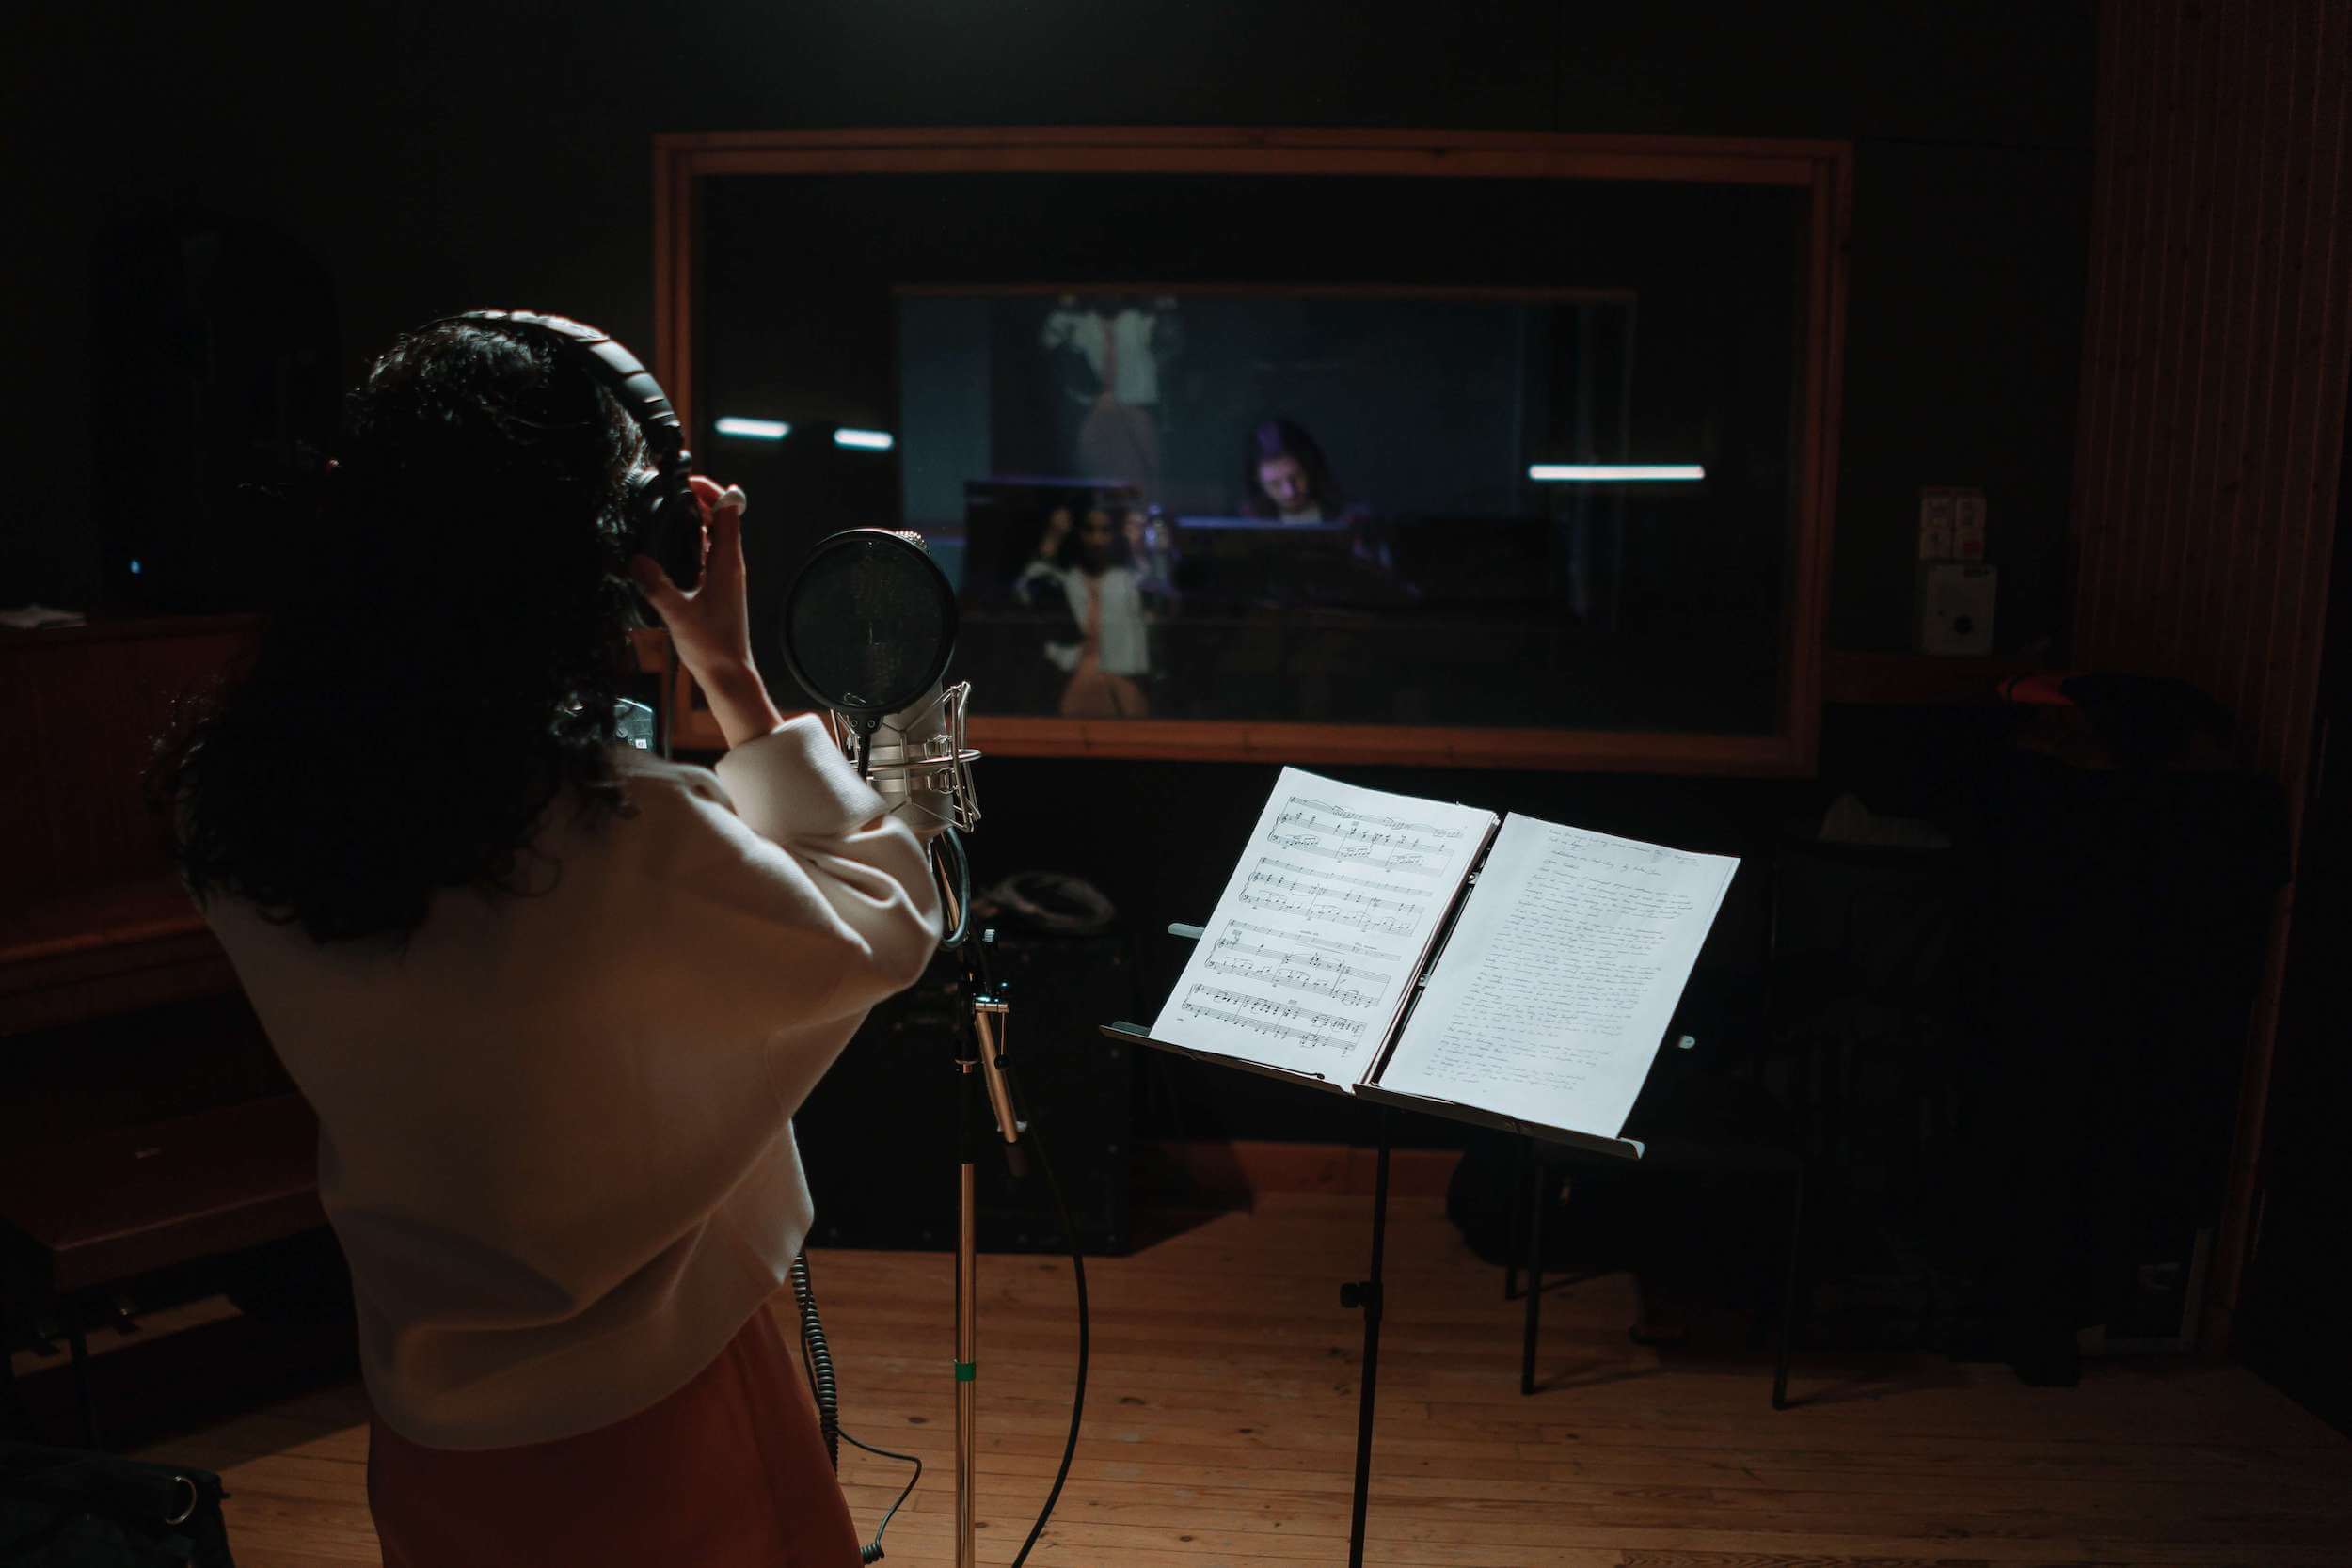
[955, 870]
[816, 1358]
[1078, 1393]
[817, 1363]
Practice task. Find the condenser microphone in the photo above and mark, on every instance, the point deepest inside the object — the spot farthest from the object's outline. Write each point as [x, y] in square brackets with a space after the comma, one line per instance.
[867, 627]
[906, 753]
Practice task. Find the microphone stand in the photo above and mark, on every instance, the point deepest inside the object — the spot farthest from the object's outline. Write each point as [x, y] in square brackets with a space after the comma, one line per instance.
[980, 1036]
[980, 1071]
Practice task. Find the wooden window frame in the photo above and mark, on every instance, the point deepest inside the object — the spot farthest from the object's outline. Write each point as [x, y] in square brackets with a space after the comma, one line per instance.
[1823, 168]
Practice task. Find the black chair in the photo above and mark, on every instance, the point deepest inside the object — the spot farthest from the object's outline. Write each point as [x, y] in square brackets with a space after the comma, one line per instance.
[1863, 977]
[1690, 1120]
[1840, 923]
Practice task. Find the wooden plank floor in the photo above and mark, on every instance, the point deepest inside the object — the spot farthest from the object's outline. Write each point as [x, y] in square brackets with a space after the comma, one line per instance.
[1219, 1430]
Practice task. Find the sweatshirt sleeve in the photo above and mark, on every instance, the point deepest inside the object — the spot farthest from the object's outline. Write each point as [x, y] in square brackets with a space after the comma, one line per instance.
[813, 851]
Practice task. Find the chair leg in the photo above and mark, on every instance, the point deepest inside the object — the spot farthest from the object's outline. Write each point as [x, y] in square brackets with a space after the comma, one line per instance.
[1534, 1272]
[79, 1341]
[16, 1418]
[1788, 1290]
[16, 1421]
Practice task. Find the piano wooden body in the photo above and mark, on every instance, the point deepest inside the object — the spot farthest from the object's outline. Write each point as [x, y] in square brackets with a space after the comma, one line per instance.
[145, 1128]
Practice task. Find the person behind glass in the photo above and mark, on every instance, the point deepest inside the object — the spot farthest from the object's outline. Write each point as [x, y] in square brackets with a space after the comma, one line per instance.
[1286, 478]
[1151, 554]
[1087, 570]
[554, 999]
[1113, 354]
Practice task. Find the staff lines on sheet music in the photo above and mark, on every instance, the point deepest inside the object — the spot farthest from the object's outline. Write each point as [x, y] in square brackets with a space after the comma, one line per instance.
[1407, 897]
[1338, 992]
[1354, 949]
[1300, 801]
[1279, 1031]
[1366, 920]
[1311, 974]
[1282, 1019]
[1299, 894]
[1311, 827]
[1315, 961]
[1414, 861]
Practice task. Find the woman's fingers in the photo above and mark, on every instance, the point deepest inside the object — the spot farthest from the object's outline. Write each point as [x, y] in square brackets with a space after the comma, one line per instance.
[656, 585]
[723, 555]
[726, 521]
[722, 534]
[723, 519]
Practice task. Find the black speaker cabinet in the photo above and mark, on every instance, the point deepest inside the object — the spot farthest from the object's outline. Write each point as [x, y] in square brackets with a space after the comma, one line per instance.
[879, 1135]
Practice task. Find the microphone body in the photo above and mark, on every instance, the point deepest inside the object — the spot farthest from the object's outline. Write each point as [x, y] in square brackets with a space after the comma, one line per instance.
[918, 761]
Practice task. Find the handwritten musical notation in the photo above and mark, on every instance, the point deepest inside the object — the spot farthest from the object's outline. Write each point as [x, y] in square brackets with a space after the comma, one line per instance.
[1262, 1015]
[1311, 974]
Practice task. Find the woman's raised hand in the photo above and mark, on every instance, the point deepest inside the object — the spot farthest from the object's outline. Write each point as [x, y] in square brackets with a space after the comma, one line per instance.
[711, 625]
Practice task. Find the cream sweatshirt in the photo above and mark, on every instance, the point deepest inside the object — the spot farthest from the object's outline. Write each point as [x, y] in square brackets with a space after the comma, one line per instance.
[554, 1129]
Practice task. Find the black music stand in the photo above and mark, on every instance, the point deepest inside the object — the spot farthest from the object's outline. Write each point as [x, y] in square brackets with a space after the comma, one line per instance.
[1366, 1294]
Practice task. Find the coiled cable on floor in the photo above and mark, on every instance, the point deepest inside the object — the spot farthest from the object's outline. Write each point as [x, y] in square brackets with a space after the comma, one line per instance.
[817, 1362]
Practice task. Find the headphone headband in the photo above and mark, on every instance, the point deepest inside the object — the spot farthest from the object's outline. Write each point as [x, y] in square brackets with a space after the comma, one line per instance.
[664, 519]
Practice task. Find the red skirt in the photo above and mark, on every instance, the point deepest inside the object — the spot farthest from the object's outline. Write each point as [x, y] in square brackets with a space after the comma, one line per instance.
[730, 1470]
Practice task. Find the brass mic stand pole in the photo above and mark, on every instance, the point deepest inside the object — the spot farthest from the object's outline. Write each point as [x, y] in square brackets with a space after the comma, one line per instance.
[967, 1313]
[979, 1066]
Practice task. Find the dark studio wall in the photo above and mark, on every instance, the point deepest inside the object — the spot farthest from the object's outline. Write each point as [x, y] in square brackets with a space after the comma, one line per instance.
[2209, 510]
[437, 157]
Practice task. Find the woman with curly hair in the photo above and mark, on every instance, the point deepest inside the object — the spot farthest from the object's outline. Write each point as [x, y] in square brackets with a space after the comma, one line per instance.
[555, 999]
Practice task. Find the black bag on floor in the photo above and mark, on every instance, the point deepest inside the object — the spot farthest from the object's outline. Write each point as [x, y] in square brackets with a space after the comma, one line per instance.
[62, 1509]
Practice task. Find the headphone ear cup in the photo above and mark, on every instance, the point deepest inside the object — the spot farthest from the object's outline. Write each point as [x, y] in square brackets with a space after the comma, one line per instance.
[666, 521]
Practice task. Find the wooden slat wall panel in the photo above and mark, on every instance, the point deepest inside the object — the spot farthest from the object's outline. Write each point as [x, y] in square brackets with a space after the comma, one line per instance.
[2216, 341]
[2217, 337]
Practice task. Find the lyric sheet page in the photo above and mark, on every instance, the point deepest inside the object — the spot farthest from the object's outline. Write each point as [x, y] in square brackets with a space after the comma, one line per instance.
[1556, 987]
[1324, 928]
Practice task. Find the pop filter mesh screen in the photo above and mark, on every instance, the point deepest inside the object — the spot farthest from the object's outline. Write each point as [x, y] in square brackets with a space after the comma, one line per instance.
[868, 623]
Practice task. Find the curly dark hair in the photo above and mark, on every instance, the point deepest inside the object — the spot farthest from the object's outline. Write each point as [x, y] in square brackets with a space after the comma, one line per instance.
[447, 662]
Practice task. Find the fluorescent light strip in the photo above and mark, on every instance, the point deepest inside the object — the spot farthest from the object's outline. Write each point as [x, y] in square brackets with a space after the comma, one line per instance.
[1611, 474]
[754, 430]
[864, 441]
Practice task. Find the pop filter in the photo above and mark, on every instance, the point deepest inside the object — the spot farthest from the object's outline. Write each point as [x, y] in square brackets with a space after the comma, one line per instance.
[868, 623]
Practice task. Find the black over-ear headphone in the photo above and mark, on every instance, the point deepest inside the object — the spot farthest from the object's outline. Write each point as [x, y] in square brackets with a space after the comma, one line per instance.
[664, 520]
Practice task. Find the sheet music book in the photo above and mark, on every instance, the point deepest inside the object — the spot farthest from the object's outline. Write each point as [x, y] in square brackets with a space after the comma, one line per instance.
[1415, 951]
